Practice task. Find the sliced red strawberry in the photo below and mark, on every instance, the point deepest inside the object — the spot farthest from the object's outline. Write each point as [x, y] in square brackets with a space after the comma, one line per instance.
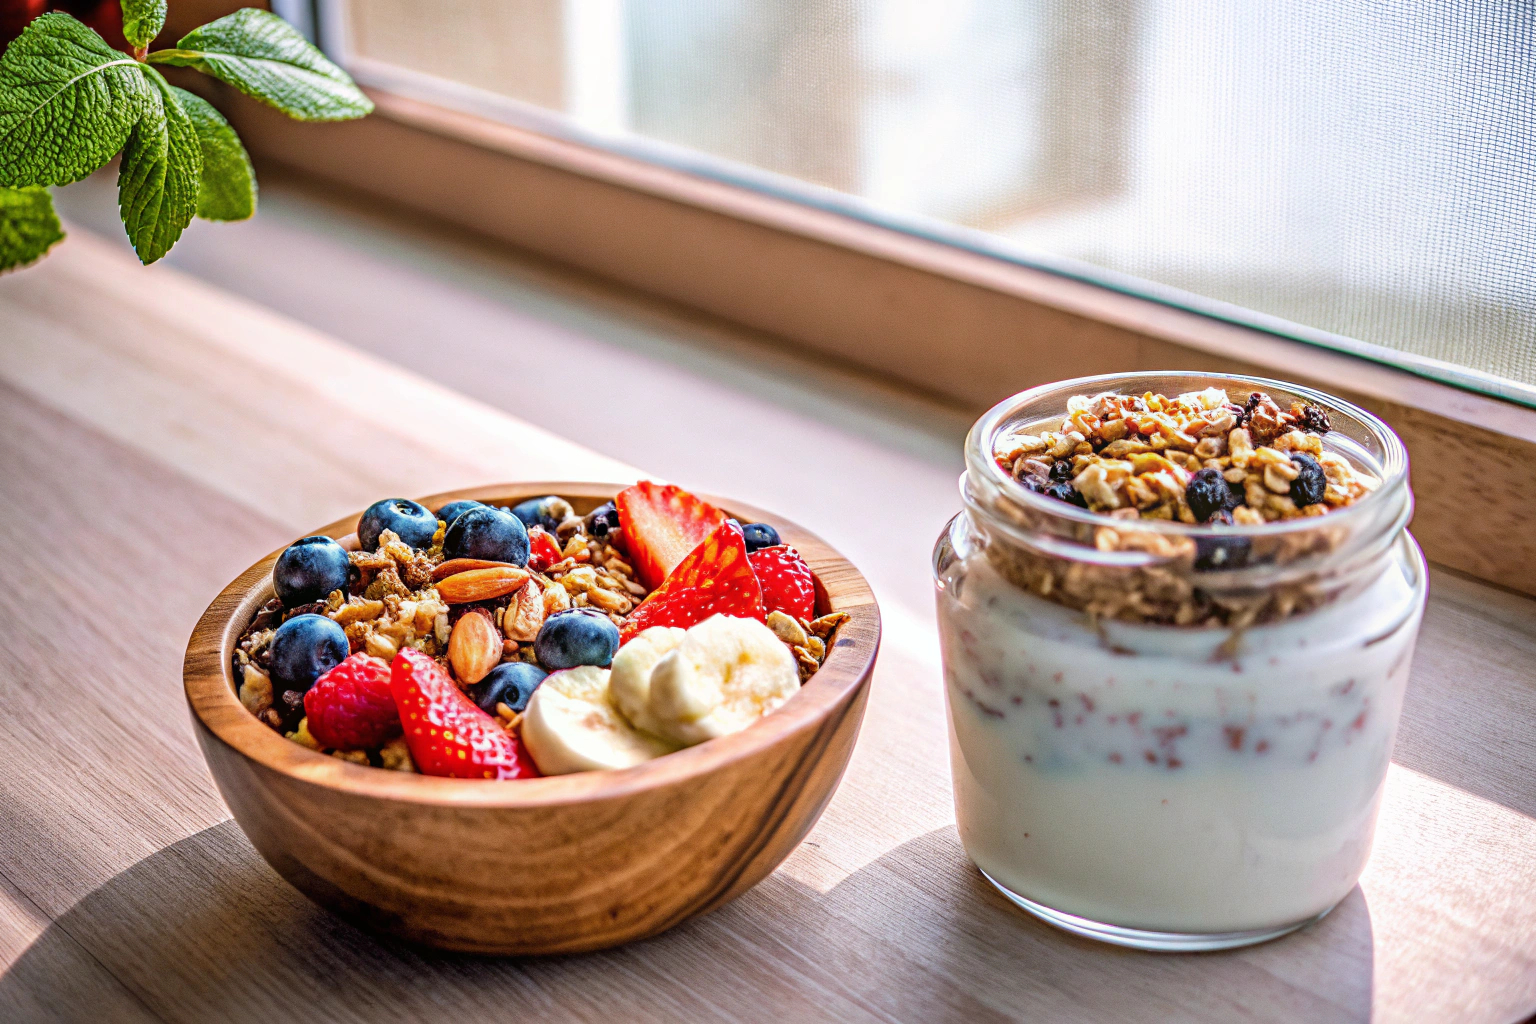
[789, 586]
[715, 579]
[446, 733]
[351, 707]
[662, 523]
[543, 550]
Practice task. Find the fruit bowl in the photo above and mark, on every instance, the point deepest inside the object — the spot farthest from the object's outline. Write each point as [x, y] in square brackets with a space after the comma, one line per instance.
[551, 865]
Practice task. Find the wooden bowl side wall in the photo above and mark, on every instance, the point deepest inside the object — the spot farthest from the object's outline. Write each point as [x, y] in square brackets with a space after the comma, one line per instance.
[612, 858]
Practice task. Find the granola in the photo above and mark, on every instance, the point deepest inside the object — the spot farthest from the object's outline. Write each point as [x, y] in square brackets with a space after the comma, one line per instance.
[1197, 459]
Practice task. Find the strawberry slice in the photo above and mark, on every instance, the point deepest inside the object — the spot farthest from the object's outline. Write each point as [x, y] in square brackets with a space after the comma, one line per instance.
[662, 523]
[789, 586]
[444, 730]
[715, 579]
[351, 707]
[543, 550]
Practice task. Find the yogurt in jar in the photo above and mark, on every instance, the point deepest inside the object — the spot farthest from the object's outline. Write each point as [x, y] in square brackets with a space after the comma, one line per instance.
[1177, 618]
[1143, 777]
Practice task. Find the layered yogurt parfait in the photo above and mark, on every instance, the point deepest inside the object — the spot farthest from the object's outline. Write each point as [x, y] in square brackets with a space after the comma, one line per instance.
[1177, 617]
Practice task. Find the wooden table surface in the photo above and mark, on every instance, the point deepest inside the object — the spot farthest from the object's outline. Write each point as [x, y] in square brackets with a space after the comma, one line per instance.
[157, 436]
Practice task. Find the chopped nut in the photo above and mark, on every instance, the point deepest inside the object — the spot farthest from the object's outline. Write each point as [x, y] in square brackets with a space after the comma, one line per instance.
[787, 629]
[256, 690]
[523, 618]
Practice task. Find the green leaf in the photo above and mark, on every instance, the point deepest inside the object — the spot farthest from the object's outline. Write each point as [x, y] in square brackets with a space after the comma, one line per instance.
[228, 189]
[158, 183]
[68, 102]
[28, 226]
[265, 57]
[142, 21]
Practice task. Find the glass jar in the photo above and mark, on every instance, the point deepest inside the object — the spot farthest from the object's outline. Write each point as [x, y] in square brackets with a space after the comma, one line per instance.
[1174, 786]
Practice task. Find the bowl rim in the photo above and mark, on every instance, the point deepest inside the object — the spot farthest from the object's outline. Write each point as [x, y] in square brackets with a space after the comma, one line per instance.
[208, 679]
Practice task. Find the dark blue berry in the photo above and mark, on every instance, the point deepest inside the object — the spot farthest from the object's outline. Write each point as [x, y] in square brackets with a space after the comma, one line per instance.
[309, 569]
[602, 520]
[581, 636]
[1207, 493]
[549, 512]
[487, 533]
[1061, 472]
[510, 684]
[1067, 493]
[1030, 482]
[1212, 553]
[303, 649]
[451, 511]
[411, 522]
[759, 535]
[1310, 483]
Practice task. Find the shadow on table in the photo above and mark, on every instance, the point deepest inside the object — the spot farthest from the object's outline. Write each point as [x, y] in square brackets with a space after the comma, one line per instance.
[204, 930]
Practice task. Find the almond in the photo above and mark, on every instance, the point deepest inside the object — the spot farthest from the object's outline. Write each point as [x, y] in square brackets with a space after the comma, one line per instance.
[523, 617]
[474, 646]
[455, 566]
[481, 584]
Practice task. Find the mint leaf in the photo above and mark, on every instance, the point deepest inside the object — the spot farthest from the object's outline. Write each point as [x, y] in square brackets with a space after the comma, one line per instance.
[28, 226]
[228, 190]
[157, 185]
[265, 57]
[142, 21]
[67, 103]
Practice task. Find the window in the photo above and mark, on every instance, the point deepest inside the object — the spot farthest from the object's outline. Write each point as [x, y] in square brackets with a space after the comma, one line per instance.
[1352, 174]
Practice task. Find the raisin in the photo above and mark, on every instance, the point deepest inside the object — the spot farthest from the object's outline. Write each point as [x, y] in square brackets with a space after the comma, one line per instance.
[1061, 471]
[1310, 482]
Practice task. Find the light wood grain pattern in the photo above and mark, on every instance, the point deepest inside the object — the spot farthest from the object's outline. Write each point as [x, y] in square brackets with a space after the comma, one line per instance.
[557, 865]
[136, 480]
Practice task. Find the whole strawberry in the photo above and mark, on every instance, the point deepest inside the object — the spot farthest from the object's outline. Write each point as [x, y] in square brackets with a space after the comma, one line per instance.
[351, 706]
[446, 733]
[788, 584]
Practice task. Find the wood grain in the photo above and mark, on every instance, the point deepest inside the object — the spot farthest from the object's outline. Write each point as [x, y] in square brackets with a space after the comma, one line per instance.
[556, 865]
[136, 481]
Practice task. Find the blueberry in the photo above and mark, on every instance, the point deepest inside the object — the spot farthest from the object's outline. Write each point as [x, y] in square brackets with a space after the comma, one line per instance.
[549, 512]
[1310, 483]
[759, 535]
[1221, 552]
[581, 636]
[310, 569]
[487, 533]
[1061, 472]
[1067, 493]
[411, 522]
[305, 648]
[602, 520]
[1207, 493]
[510, 684]
[451, 511]
[1030, 482]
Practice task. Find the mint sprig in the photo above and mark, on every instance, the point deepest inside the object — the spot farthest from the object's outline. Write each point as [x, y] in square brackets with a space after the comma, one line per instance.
[69, 103]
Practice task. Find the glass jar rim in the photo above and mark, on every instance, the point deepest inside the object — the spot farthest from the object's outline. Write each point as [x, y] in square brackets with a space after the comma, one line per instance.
[1391, 465]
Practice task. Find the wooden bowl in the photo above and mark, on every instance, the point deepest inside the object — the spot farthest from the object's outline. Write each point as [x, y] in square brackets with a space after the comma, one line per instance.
[554, 865]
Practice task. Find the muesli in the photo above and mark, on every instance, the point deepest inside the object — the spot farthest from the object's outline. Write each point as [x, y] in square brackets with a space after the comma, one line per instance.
[475, 641]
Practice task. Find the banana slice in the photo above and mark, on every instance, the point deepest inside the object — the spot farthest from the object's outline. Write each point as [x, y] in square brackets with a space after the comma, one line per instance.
[572, 726]
[629, 685]
[726, 674]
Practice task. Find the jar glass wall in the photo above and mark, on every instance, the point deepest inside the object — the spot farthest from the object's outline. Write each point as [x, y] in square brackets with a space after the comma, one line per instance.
[1168, 735]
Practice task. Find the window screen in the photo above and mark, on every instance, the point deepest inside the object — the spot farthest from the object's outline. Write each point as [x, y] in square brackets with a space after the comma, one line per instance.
[1348, 173]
